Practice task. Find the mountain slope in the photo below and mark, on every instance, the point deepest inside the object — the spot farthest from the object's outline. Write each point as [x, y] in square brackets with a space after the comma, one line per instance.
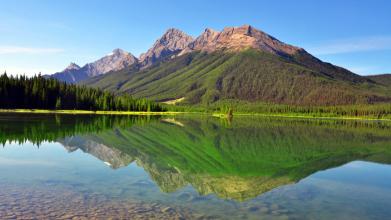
[250, 75]
[117, 60]
[384, 79]
[244, 63]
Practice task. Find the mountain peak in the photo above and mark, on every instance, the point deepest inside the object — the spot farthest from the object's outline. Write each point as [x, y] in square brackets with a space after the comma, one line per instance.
[172, 42]
[116, 60]
[72, 66]
[119, 51]
[174, 31]
[238, 38]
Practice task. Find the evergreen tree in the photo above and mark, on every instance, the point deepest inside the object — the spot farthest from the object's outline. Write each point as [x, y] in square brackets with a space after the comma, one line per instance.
[39, 92]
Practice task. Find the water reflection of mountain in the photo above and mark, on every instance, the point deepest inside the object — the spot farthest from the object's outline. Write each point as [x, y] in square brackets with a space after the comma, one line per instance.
[111, 156]
[238, 160]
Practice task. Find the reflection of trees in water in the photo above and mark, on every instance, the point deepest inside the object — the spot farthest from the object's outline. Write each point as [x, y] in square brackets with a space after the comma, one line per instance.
[238, 160]
[37, 128]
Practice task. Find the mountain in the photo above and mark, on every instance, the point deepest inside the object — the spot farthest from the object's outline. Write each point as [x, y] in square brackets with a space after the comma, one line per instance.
[384, 79]
[116, 60]
[239, 38]
[241, 63]
[172, 42]
[72, 73]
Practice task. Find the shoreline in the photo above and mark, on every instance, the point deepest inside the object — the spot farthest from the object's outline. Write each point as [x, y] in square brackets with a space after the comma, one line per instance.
[219, 115]
[85, 112]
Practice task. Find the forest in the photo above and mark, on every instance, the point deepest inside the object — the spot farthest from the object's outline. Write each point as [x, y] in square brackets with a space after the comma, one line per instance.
[51, 127]
[38, 92]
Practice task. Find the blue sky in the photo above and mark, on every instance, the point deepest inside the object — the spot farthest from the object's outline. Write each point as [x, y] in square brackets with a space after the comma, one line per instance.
[45, 36]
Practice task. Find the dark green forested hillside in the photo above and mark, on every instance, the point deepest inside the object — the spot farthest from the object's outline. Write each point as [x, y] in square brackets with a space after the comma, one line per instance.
[249, 75]
[41, 93]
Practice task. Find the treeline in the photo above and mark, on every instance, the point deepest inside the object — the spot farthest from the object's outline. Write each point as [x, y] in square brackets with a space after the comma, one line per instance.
[51, 127]
[21, 92]
[374, 111]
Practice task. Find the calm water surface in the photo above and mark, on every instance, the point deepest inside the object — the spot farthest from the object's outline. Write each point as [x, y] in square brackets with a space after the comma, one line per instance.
[95, 167]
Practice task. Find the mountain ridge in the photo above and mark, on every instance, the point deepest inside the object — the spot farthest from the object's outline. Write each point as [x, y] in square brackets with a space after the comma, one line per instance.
[241, 63]
[175, 42]
[238, 38]
[118, 59]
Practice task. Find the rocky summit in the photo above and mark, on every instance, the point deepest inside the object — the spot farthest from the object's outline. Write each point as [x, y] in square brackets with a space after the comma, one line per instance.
[239, 38]
[171, 43]
[71, 67]
[117, 60]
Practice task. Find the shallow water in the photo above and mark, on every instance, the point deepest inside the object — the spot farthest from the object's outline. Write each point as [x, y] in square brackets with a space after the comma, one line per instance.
[75, 167]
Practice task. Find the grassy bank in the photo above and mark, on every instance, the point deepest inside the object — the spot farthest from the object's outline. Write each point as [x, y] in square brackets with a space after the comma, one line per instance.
[303, 116]
[44, 111]
[220, 108]
[199, 112]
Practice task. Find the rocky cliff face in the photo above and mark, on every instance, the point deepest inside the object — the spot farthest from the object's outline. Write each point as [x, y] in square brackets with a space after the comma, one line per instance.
[117, 60]
[171, 43]
[239, 38]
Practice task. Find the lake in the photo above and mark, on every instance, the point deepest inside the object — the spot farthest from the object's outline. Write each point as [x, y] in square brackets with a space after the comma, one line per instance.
[193, 167]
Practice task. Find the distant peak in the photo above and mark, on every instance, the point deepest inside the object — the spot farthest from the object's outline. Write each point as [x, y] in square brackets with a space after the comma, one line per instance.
[173, 33]
[119, 51]
[173, 30]
[72, 66]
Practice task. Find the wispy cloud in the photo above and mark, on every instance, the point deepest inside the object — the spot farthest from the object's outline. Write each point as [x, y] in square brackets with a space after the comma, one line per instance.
[352, 45]
[28, 50]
